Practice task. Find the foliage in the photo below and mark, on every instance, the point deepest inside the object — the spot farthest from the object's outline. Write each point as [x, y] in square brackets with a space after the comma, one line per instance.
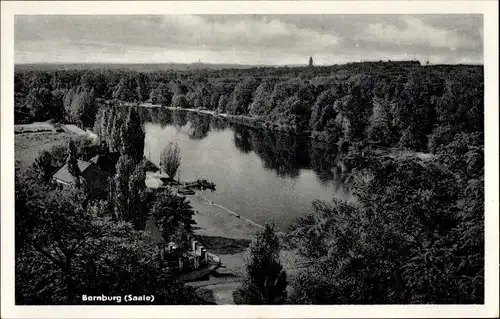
[73, 167]
[243, 94]
[265, 283]
[124, 168]
[161, 94]
[170, 159]
[132, 136]
[45, 166]
[64, 250]
[416, 100]
[39, 102]
[404, 242]
[179, 100]
[173, 215]
[441, 136]
[333, 131]
[322, 110]
[137, 212]
[81, 106]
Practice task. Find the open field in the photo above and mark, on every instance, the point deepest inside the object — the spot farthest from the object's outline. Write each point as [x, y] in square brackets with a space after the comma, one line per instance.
[29, 145]
[36, 127]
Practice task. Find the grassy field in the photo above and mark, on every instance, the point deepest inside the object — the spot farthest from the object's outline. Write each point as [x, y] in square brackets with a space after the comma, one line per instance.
[27, 146]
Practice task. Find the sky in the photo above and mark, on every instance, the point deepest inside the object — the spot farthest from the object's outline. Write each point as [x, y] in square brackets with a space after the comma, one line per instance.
[247, 39]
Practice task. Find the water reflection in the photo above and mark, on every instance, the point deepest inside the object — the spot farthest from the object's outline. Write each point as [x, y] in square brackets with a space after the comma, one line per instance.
[263, 175]
[284, 153]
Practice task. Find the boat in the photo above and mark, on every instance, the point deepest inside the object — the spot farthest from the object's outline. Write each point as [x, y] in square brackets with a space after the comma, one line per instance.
[185, 191]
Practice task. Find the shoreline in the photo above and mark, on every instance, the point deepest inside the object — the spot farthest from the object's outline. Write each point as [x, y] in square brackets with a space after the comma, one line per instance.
[229, 237]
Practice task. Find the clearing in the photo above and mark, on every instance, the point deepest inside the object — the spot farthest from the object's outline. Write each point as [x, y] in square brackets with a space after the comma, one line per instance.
[27, 146]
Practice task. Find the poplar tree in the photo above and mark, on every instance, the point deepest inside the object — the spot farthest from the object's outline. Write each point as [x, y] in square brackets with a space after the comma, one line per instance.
[266, 282]
[73, 168]
[132, 136]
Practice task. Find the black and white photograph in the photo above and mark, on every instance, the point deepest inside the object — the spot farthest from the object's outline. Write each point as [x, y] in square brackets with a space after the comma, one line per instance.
[270, 159]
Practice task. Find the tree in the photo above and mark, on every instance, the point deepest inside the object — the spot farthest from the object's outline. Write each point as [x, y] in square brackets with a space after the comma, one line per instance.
[260, 102]
[73, 167]
[222, 105]
[242, 96]
[265, 282]
[322, 109]
[100, 124]
[161, 94]
[116, 124]
[57, 108]
[355, 107]
[129, 89]
[413, 110]
[179, 100]
[81, 106]
[441, 136]
[333, 131]
[39, 103]
[404, 241]
[124, 168]
[65, 249]
[173, 215]
[170, 159]
[137, 207]
[132, 136]
[44, 165]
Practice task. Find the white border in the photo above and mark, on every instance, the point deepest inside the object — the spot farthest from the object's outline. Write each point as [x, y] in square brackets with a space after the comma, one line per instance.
[488, 8]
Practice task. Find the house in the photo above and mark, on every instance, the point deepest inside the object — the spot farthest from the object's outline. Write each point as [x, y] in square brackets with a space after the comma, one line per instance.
[106, 162]
[93, 178]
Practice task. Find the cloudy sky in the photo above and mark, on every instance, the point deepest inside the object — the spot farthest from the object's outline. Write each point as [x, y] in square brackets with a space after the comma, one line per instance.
[248, 39]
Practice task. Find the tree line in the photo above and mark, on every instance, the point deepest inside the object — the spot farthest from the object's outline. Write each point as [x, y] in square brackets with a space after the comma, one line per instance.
[391, 103]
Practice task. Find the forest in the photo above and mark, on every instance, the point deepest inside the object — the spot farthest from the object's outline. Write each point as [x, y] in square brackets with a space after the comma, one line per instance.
[399, 104]
[415, 235]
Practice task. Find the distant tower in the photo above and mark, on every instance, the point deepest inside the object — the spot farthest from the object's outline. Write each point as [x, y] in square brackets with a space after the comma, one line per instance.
[310, 61]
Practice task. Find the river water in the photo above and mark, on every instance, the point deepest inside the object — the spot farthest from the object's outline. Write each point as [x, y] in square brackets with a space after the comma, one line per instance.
[265, 176]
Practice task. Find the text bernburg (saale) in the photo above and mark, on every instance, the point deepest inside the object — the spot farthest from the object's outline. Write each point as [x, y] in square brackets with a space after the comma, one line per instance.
[130, 298]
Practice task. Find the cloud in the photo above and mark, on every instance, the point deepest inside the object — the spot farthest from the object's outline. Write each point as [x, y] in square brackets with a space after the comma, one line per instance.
[246, 39]
[414, 33]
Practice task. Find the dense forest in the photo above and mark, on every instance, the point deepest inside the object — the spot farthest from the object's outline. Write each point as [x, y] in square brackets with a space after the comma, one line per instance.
[391, 103]
[415, 234]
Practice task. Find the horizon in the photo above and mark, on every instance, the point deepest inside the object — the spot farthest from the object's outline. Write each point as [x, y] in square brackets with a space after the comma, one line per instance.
[269, 40]
[422, 63]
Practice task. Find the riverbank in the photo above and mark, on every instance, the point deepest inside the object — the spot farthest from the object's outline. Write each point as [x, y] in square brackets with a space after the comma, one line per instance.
[229, 237]
[250, 121]
[228, 234]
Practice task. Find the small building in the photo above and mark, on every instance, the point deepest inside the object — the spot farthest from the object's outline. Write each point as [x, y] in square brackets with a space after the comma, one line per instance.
[106, 162]
[181, 259]
[93, 178]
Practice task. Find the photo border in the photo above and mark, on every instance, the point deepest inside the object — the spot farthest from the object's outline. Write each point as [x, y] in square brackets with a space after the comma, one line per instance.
[489, 10]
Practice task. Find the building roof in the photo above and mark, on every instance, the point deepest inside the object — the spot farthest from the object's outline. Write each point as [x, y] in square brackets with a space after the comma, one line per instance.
[106, 162]
[64, 175]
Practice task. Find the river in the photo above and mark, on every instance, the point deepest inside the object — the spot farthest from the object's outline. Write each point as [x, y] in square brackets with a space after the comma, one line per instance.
[265, 176]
